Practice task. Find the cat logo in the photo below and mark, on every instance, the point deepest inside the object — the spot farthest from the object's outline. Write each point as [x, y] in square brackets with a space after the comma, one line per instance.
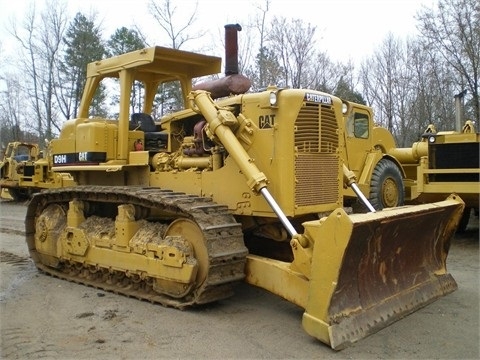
[82, 156]
[266, 121]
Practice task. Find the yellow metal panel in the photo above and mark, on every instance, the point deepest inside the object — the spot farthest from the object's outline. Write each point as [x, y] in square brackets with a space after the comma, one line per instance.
[158, 63]
[138, 158]
[278, 278]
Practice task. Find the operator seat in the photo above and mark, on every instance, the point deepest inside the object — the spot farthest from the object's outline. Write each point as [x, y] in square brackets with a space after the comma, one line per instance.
[154, 140]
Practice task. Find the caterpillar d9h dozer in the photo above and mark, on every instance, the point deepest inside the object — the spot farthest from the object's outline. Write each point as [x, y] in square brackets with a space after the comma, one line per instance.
[230, 189]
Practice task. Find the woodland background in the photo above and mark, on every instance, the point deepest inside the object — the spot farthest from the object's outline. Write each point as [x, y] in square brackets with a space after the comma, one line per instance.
[409, 82]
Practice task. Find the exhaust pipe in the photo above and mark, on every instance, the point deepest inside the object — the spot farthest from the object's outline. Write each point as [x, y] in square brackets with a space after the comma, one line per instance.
[231, 49]
[459, 110]
[233, 83]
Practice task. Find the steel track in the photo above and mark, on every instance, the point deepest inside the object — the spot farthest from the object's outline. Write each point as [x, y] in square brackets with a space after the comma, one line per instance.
[223, 238]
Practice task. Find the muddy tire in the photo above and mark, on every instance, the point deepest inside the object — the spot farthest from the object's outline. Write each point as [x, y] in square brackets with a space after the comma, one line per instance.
[386, 187]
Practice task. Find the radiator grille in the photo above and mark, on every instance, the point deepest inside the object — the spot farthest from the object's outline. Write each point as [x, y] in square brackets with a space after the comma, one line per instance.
[317, 182]
[454, 156]
[316, 164]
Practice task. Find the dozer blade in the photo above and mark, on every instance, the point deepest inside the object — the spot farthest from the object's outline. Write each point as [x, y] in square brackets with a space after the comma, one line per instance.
[369, 270]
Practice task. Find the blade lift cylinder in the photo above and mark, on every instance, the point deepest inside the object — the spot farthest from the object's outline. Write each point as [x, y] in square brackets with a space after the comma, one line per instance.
[219, 122]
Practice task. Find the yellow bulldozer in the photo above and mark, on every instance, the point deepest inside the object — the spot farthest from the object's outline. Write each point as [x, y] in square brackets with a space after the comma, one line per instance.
[25, 170]
[235, 186]
[16, 157]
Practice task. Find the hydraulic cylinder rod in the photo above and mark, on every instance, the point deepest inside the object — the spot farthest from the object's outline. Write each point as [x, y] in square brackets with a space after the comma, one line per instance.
[281, 216]
[351, 180]
[362, 197]
[218, 121]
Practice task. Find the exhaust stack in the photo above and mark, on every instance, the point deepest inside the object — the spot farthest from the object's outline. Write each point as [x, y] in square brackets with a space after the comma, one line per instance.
[231, 49]
[459, 110]
[233, 83]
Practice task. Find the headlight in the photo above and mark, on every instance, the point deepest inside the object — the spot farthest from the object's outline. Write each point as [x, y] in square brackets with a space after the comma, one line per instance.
[273, 98]
[431, 139]
[344, 108]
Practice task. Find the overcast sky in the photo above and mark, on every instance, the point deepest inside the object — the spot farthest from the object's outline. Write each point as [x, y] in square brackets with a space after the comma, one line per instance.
[346, 29]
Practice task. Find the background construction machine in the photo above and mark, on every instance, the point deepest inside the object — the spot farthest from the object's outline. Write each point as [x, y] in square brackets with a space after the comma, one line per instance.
[444, 162]
[25, 170]
[12, 167]
[177, 211]
[439, 164]
[378, 174]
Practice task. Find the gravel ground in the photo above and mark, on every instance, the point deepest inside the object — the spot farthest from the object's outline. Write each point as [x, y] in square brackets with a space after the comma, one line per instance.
[42, 317]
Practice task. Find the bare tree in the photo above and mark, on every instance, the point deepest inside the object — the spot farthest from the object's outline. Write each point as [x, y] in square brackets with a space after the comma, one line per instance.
[166, 14]
[13, 114]
[453, 30]
[345, 82]
[378, 74]
[263, 67]
[54, 21]
[434, 83]
[294, 44]
[324, 75]
[411, 84]
[287, 57]
[265, 60]
[387, 84]
[40, 40]
[177, 25]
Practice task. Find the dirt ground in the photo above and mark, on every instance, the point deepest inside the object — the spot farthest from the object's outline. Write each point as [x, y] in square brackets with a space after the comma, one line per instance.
[42, 317]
